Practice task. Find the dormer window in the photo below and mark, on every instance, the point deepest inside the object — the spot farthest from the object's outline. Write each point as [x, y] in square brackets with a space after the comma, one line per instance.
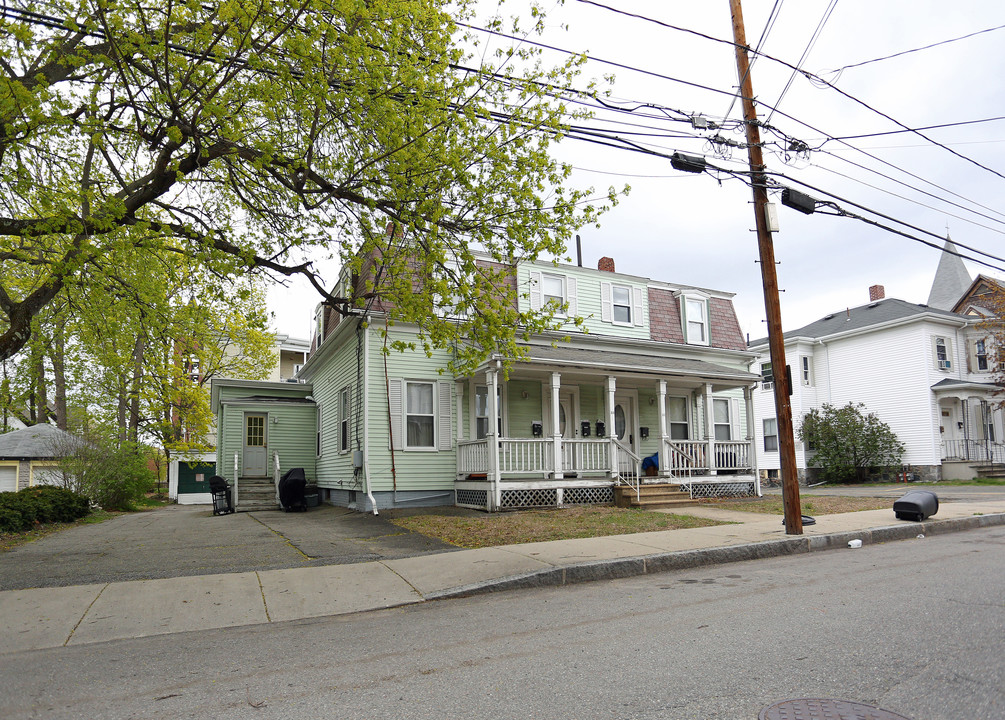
[621, 297]
[694, 308]
[620, 304]
[554, 289]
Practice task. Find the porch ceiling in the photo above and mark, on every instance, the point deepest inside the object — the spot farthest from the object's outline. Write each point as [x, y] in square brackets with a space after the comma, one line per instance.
[593, 364]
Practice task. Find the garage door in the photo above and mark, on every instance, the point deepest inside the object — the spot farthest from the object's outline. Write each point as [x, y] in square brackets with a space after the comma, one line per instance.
[46, 476]
[8, 478]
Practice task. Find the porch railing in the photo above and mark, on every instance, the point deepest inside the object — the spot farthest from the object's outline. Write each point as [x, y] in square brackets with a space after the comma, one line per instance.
[584, 456]
[974, 450]
[473, 456]
[732, 455]
[531, 456]
[686, 457]
[628, 467]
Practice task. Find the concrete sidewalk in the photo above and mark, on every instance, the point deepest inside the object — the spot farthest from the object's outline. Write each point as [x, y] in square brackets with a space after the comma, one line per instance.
[77, 615]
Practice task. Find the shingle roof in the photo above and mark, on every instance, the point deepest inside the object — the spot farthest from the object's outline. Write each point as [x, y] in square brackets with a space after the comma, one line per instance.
[951, 279]
[37, 441]
[864, 316]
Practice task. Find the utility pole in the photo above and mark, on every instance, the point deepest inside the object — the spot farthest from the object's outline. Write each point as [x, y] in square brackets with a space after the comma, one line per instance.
[776, 341]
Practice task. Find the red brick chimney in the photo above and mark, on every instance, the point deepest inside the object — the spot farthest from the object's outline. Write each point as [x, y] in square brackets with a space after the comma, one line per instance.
[606, 264]
[876, 292]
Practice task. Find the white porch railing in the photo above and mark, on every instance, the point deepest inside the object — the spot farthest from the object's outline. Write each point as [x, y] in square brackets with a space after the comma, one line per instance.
[732, 455]
[584, 456]
[685, 457]
[628, 467]
[472, 456]
[532, 456]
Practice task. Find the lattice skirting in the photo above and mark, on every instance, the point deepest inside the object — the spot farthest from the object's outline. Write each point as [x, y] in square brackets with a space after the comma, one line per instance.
[588, 496]
[721, 489]
[472, 498]
[526, 498]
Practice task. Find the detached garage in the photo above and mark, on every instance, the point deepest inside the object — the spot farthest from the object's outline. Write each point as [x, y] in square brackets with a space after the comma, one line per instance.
[30, 456]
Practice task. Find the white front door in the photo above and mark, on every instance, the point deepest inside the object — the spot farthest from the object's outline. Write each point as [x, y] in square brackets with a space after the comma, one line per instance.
[626, 429]
[255, 430]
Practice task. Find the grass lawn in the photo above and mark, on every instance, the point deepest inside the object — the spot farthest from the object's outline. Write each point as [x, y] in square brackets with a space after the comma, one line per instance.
[510, 528]
[811, 504]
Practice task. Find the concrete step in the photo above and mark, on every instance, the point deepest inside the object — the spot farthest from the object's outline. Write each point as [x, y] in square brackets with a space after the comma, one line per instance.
[652, 497]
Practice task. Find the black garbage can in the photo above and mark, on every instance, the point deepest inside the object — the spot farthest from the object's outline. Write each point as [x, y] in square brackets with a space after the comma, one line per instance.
[916, 505]
[223, 501]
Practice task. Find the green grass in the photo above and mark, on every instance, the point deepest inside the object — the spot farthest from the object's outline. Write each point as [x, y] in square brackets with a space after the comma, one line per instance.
[510, 528]
[810, 504]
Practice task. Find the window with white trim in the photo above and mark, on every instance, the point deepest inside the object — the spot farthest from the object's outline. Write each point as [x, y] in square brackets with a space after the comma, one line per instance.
[482, 411]
[677, 416]
[621, 302]
[420, 415]
[553, 289]
[696, 330]
[981, 355]
[988, 422]
[345, 410]
[805, 370]
[767, 376]
[770, 435]
[722, 423]
[317, 439]
[943, 353]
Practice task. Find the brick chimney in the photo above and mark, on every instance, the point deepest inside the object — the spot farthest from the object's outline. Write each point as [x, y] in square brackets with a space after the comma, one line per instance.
[876, 292]
[606, 264]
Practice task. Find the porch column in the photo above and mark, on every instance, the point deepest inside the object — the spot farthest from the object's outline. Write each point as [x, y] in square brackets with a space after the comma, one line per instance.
[556, 429]
[492, 437]
[460, 411]
[664, 434]
[748, 408]
[710, 429]
[610, 425]
[966, 428]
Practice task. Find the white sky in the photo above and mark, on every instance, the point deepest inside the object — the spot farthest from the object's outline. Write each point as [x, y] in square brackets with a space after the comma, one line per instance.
[690, 229]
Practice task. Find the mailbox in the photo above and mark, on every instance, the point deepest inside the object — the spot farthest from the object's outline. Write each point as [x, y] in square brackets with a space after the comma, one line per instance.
[601, 429]
[584, 428]
[537, 428]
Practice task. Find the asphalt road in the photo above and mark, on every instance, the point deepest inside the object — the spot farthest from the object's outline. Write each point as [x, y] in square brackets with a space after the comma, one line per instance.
[916, 627]
[180, 540]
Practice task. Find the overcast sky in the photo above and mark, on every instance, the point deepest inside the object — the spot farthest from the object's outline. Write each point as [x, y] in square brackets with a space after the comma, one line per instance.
[698, 229]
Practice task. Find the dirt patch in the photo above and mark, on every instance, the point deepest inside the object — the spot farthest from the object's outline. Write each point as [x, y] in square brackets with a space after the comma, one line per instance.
[811, 505]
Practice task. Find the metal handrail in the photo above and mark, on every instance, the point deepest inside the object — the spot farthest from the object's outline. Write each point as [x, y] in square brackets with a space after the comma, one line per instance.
[622, 450]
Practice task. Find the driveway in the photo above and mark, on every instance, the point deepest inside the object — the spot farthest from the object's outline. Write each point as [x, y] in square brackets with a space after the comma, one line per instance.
[179, 540]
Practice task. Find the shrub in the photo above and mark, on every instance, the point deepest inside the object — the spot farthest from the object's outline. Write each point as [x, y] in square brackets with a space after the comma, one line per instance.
[114, 478]
[20, 511]
[847, 442]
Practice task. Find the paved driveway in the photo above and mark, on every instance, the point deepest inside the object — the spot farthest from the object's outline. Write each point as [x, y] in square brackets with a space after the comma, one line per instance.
[182, 540]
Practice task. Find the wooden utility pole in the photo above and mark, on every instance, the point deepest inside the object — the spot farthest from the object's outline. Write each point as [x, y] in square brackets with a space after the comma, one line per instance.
[776, 341]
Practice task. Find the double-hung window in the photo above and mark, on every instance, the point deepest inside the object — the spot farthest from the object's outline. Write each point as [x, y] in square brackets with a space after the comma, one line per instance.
[804, 369]
[677, 416]
[770, 435]
[696, 330]
[621, 298]
[767, 376]
[981, 352]
[344, 411]
[721, 420]
[420, 415]
[552, 289]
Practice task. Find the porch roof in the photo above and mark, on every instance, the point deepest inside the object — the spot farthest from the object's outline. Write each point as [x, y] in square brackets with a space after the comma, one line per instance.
[604, 362]
[949, 386]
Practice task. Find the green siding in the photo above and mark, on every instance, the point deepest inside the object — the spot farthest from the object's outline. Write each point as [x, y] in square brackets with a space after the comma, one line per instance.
[522, 412]
[290, 433]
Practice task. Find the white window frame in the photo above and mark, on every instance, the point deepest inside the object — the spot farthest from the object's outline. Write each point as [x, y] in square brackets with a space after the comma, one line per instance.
[569, 292]
[729, 419]
[475, 411]
[767, 372]
[806, 370]
[319, 439]
[981, 355]
[688, 302]
[686, 422]
[345, 410]
[432, 415]
[943, 348]
[773, 434]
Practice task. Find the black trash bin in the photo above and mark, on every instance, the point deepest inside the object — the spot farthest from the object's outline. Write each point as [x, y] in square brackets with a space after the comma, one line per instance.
[291, 490]
[223, 499]
[916, 505]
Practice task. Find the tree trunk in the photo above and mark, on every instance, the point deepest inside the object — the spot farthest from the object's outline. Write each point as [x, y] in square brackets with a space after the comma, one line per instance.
[58, 356]
[134, 393]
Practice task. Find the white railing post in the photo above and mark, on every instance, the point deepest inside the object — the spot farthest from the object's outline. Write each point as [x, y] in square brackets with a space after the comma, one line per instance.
[710, 430]
[556, 429]
[492, 438]
[237, 474]
[664, 468]
[610, 426]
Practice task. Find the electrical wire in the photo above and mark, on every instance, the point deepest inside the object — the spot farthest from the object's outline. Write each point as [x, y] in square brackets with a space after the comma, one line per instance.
[768, 27]
[804, 56]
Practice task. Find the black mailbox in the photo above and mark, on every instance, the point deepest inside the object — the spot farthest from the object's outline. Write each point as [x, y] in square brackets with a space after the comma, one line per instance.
[584, 428]
[601, 428]
[916, 505]
[536, 428]
[644, 433]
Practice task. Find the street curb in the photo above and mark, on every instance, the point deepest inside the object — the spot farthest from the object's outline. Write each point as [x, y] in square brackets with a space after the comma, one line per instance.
[688, 559]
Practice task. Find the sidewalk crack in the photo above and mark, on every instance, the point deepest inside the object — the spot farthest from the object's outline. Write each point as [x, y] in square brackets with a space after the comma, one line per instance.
[265, 603]
[302, 554]
[84, 614]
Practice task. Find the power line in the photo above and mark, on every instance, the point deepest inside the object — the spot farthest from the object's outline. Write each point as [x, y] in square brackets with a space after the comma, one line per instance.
[806, 53]
[927, 127]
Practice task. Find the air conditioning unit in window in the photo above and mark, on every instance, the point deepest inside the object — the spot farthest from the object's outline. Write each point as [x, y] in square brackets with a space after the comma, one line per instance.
[767, 385]
[945, 364]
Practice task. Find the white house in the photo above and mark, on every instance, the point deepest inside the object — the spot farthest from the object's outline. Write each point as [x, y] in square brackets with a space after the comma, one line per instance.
[922, 370]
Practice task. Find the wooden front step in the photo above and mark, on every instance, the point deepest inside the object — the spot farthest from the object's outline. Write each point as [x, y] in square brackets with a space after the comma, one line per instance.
[256, 494]
[652, 497]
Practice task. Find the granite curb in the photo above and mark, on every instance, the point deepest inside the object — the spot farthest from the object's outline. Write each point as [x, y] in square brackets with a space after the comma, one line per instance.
[688, 559]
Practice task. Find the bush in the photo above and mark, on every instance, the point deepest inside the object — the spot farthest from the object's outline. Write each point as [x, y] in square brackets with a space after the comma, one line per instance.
[847, 442]
[114, 478]
[20, 511]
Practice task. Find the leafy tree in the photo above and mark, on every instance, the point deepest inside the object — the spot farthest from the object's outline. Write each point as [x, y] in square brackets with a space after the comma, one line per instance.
[847, 442]
[248, 136]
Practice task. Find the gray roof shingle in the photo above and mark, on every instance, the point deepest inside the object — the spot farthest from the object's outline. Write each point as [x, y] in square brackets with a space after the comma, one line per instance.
[35, 442]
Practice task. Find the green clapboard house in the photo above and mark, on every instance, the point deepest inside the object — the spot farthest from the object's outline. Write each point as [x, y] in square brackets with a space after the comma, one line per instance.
[655, 397]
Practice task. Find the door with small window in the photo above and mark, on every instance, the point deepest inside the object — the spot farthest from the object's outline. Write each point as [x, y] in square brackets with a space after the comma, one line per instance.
[255, 456]
[626, 429]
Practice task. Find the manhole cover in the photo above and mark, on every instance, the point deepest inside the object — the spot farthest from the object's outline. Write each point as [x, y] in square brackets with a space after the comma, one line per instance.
[826, 709]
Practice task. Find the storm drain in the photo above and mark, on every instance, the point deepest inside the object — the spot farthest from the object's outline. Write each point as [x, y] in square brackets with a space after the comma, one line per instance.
[826, 709]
